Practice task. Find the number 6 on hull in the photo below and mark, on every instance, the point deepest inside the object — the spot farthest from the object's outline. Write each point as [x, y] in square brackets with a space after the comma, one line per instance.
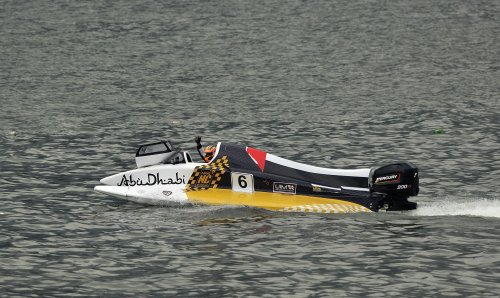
[242, 182]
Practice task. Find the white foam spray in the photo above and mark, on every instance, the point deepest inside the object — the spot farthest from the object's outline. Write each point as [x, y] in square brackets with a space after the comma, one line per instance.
[472, 207]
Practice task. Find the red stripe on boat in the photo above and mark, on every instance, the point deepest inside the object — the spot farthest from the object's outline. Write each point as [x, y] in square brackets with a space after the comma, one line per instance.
[258, 156]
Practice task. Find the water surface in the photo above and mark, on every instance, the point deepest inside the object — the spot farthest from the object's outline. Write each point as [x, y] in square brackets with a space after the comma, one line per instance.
[331, 83]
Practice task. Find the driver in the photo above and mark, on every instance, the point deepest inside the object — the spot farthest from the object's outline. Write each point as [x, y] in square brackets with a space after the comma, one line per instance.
[208, 153]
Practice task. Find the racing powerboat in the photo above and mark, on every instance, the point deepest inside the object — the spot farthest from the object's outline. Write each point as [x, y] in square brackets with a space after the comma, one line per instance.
[246, 176]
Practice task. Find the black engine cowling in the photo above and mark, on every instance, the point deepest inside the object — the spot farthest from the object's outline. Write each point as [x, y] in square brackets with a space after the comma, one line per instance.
[398, 180]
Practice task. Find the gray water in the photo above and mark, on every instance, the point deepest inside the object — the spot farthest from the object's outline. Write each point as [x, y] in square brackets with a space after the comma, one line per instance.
[330, 83]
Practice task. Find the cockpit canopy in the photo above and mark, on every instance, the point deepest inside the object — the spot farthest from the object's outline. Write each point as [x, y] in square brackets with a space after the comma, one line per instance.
[154, 148]
[160, 153]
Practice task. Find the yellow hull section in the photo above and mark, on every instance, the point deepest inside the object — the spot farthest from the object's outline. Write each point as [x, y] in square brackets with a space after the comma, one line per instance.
[273, 201]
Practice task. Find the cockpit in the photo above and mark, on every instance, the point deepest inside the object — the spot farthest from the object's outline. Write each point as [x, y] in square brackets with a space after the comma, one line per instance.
[160, 153]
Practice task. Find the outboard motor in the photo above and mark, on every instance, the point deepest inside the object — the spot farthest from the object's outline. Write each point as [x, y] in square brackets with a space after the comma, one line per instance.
[398, 181]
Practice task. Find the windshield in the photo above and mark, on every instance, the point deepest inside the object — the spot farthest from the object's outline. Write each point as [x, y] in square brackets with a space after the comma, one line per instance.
[154, 148]
[175, 158]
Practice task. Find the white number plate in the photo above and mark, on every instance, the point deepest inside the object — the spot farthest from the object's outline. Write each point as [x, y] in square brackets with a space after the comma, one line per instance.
[242, 182]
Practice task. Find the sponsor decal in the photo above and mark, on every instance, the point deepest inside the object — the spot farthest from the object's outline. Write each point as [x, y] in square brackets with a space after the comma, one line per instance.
[209, 175]
[167, 193]
[153, 179]
[289, 188]
[387, 178]
[203, 178]
[317, 189]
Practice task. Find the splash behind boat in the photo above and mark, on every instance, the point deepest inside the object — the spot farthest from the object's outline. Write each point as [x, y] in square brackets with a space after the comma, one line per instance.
[245, 176]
